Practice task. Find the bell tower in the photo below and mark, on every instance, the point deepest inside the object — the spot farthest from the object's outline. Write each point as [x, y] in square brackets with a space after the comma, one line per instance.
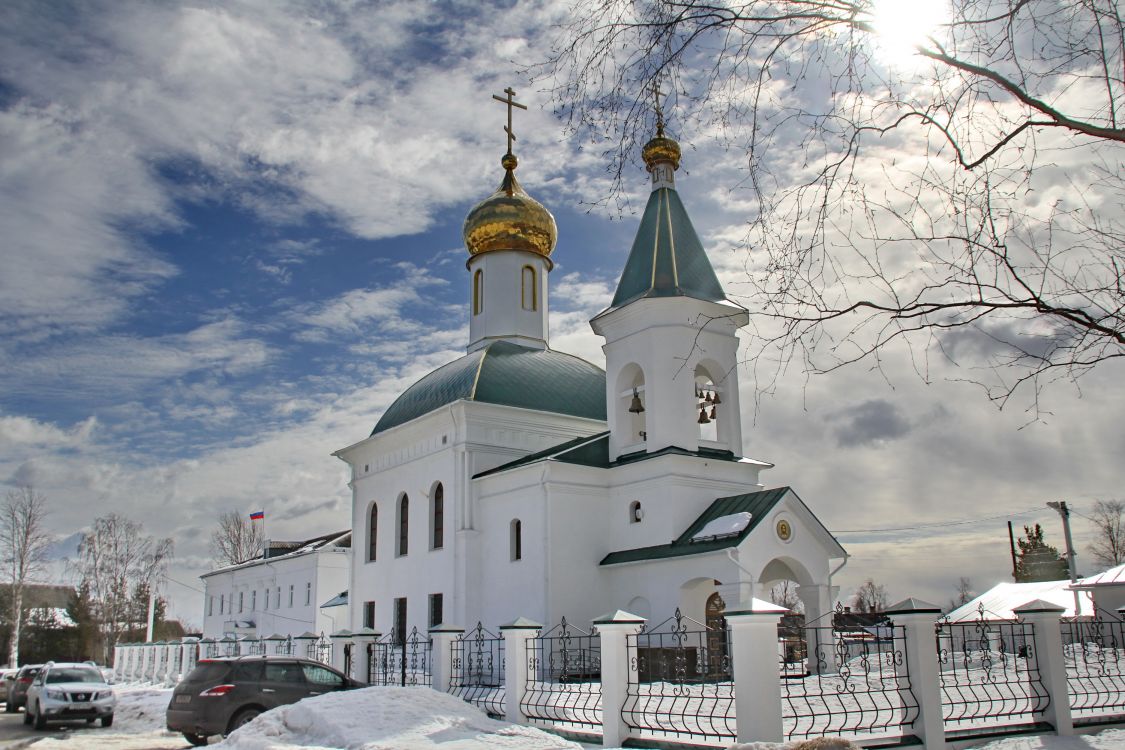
[671, 335]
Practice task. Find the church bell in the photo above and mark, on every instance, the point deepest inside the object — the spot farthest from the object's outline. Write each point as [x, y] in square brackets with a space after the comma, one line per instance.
[635, 406]
[703, 416]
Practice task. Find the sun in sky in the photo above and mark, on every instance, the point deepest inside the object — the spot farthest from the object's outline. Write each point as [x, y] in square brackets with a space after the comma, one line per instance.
[901, 26]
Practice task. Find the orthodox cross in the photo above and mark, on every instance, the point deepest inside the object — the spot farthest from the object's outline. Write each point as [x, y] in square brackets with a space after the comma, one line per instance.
[659, 111]
[511, 102]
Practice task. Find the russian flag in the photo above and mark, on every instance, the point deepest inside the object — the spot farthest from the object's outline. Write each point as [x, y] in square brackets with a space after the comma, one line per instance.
[258, 515]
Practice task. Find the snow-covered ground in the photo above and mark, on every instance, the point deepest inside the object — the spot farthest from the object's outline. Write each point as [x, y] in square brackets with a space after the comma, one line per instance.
[386, 718]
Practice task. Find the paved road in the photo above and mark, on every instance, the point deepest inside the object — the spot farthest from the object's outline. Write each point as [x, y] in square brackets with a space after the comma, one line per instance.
[14, 734]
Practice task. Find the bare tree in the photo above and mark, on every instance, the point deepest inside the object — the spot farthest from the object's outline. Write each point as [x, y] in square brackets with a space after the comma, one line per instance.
[236, 540]
[24, 540]
[114, 558]
[784, 594]
[962, 201]
[1108, 546]
[964, 589]
[870, 597]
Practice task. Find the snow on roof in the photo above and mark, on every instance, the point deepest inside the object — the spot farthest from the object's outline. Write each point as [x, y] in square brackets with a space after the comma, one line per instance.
[1113, 576]
[1001, 599]
[386, 717]
[723, 526]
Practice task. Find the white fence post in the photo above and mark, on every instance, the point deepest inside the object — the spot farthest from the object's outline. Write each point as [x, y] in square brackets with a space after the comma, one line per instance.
[146, 663]
[614, 630]
[302, 642]
[170, 650]
[920, 668]
[516, 635]
[364, 640]
[756, 671]
[190, 648]
[443, 667]
[1044, 618]
[341, 640]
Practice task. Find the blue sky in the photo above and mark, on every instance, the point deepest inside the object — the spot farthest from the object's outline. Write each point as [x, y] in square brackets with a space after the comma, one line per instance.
[231, 235]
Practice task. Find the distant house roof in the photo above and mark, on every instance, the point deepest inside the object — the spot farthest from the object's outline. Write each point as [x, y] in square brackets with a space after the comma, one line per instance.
[757, 504]
[999, 601]
[1112, 577]
[278, 550]
[49, 595]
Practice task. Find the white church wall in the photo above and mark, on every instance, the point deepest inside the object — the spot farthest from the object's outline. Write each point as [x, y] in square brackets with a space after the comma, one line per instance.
[506, 307]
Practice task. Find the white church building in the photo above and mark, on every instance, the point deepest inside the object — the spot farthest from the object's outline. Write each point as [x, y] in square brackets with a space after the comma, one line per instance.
[519, 481]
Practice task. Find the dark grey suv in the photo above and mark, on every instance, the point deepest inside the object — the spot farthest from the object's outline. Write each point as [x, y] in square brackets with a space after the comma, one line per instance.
[222, 694]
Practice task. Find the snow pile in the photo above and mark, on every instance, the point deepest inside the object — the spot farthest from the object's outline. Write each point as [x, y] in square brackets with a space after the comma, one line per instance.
[140, 709]
[722, 526]
[387, 718]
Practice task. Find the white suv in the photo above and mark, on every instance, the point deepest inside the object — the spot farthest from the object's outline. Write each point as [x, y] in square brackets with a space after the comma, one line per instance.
[69, 692]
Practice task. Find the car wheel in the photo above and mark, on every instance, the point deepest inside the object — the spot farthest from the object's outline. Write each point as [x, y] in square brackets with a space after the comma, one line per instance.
[243, 717]
[40, 721]
[107, 721]
[196, 740]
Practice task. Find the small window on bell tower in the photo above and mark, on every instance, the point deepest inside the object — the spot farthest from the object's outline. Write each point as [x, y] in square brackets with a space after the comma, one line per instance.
[529, 293]
[478, 292]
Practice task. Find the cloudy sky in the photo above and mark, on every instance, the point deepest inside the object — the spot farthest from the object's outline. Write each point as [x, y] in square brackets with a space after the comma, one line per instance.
[230, 236]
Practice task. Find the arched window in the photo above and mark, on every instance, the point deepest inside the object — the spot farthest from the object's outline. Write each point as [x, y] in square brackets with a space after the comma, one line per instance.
[478, 292]
[516, 542]
[437, 519]
[403, 524]
[529, 292]
[372, 532]
[635, 512]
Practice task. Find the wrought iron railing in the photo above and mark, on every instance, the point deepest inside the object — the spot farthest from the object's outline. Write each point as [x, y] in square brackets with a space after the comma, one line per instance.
[405, 662]
[257, 647]
[855, 684]
[989, 673]
[320, 650]
[1095, 665]
[477, 676]
[285, 647]
[564, 678]
[680, 682]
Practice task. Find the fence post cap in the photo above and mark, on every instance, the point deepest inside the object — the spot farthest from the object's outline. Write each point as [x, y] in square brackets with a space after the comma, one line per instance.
[274, 637]
[1038, 606]
[620, 617]
[367, 633]
[442, 627]
[758, 607]
[190, 639]
[522, 623]
[912, 606]
[307, 634]
[344, 633]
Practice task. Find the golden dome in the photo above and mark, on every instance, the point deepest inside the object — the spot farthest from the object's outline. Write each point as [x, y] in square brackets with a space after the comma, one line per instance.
[510, 219]
[660, 149]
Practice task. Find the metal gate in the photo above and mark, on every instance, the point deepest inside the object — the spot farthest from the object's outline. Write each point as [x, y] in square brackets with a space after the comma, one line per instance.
[401, 662]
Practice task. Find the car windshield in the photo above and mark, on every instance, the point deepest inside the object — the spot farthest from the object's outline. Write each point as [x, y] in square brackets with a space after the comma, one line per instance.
[73, 675]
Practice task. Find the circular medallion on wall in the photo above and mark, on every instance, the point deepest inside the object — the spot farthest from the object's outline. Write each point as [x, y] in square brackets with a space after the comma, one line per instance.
[784, 530]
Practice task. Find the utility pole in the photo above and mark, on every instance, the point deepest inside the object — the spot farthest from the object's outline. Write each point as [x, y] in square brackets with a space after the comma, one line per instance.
[1064, 511]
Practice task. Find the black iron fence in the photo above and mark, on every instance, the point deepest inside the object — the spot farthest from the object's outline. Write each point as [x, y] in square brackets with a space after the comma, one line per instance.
[1095, 665]
[320, 650]
[564, 678]
[680, 681]
[855, 684]
[477, 674]
[989, 673]
[401, 662]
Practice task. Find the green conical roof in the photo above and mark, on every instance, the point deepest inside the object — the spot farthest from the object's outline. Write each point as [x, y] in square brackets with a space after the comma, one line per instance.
[667, 259]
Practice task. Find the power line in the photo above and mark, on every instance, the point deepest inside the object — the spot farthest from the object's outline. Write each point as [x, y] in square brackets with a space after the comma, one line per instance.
[959, 522]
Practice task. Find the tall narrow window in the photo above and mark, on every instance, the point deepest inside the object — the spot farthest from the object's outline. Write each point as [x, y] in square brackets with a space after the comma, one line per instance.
[240, 601]
[369, 615]
[210, 605]
[372, 532]
[403, 524]
[517, 539]
[478, 292]
[308, 593]
[400, 620]
[438, 518]
[253, 600]
[529, 292]
[290, 595]
[435, 610]
[222, 603]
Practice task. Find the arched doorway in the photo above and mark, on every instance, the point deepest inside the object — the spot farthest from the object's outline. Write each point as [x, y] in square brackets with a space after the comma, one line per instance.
[718, 643]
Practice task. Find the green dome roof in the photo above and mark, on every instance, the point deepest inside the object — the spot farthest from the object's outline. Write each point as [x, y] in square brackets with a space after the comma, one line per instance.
[510, 375]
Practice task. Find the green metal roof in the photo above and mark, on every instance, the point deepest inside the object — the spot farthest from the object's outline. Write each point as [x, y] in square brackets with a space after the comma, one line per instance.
[510, 375]
[667, 259]
[757, 504]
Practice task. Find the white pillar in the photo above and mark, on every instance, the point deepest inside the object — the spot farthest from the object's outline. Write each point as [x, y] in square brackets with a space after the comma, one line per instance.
[190, 650]
[614, 630]
[756, 671]
[1048, 654]
[364, 640]
[920, 668]
[341, 640]
[443, 637]
[301, 644]
[171, 650]
[516, 635]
